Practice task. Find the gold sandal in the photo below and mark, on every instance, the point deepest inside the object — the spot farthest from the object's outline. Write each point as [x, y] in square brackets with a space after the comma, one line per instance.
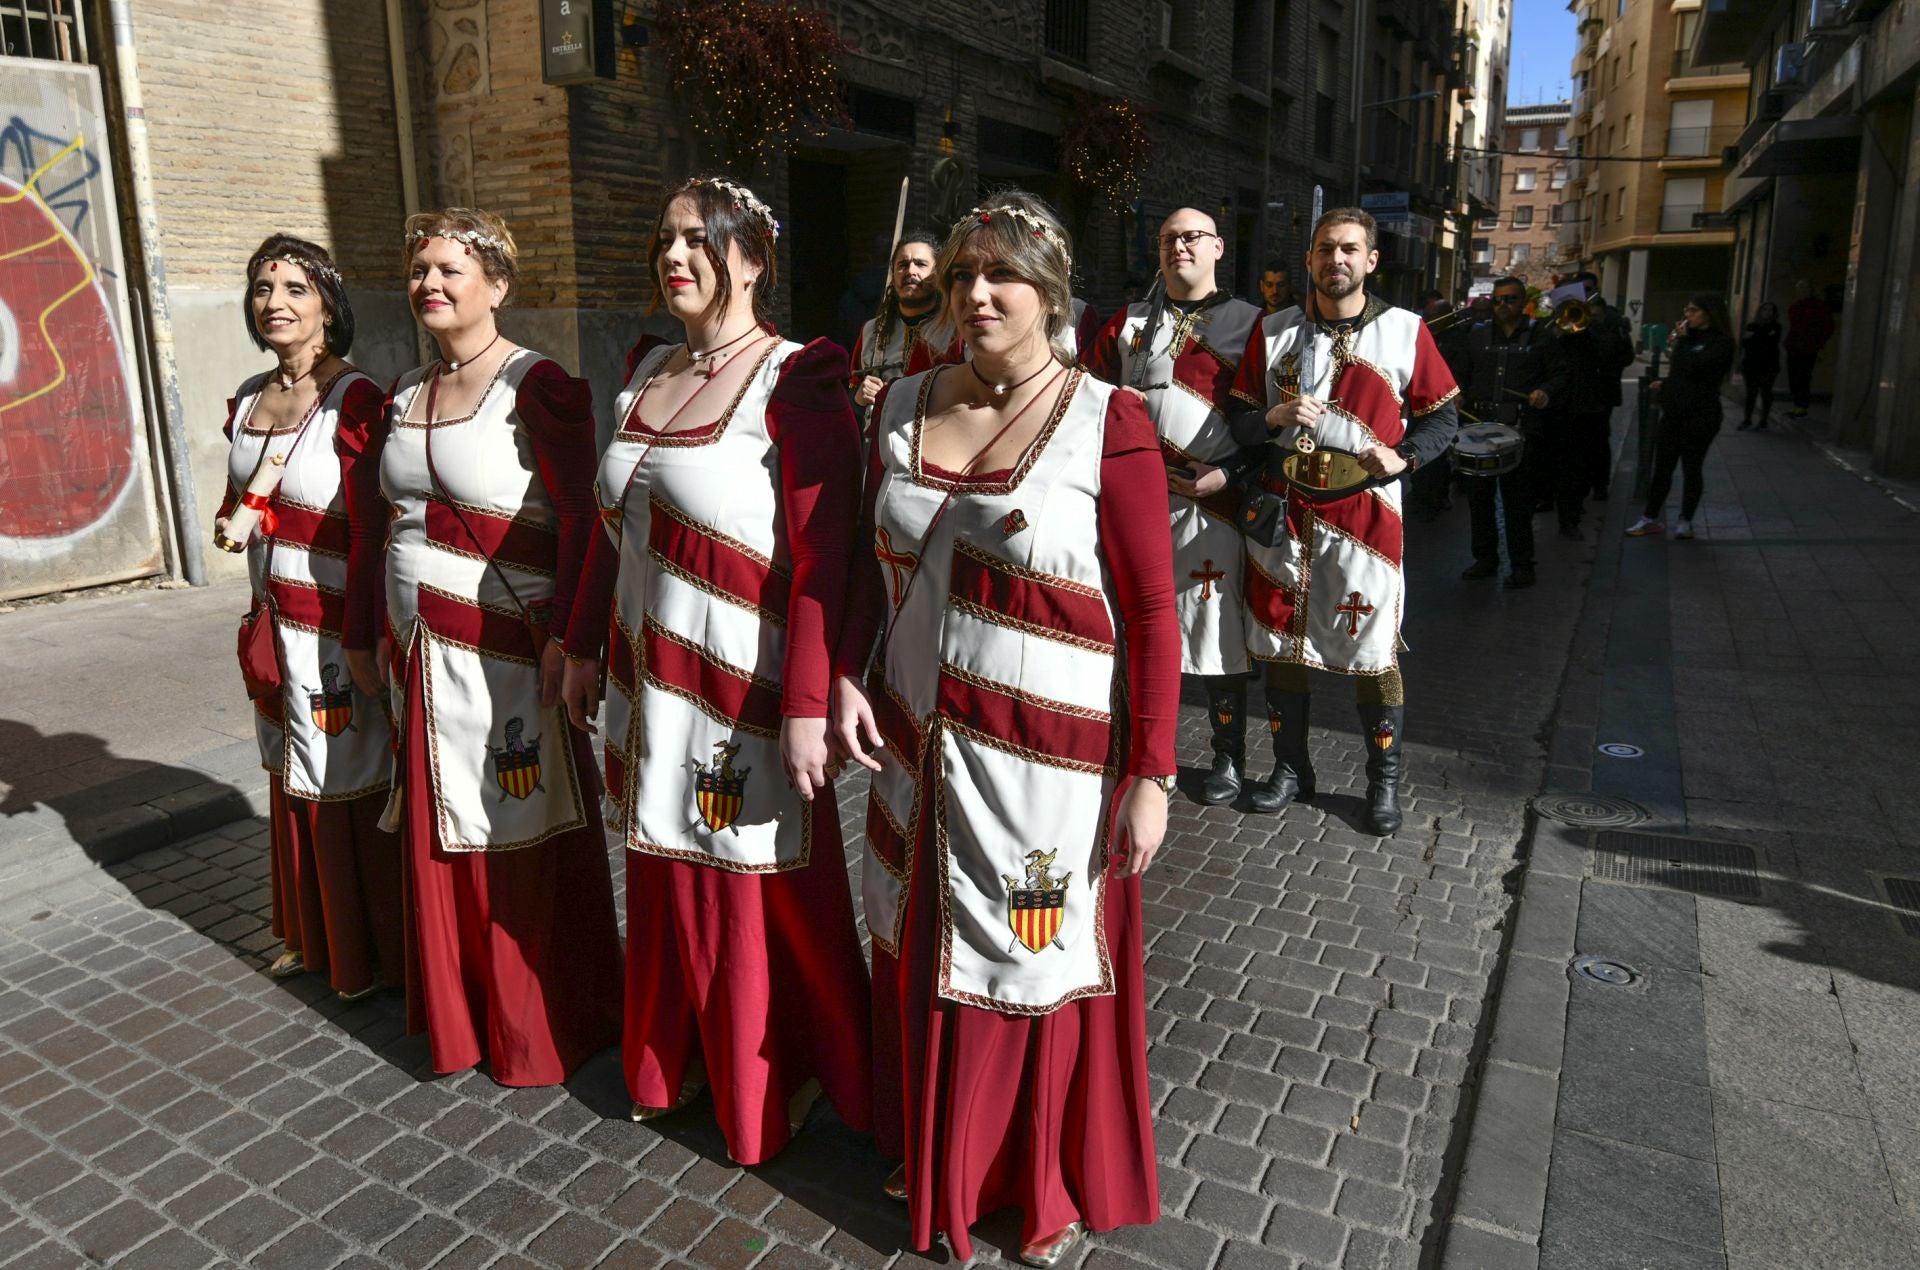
[1053, 1250]
[690, 1086]
[287, 965]
[895, 1187]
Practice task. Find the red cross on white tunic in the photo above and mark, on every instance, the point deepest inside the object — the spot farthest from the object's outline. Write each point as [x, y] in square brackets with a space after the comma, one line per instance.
[900, 565]
[1208, 575]
[1353, 610]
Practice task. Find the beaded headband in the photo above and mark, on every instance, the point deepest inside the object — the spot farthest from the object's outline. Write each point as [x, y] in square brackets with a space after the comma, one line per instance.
[313, 268]
[743, 199]
[468, 238]
[1037, 224]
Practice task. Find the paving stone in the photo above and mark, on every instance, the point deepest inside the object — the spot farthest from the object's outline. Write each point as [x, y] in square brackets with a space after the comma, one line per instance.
[573, 1240]
[248, 1224]
[507, 1211]
[372, 1215]
[423, 1242]
[681, 1224]
[116, 1230]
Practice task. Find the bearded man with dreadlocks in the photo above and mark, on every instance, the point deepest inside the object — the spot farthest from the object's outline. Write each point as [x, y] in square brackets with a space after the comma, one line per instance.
[893, 343]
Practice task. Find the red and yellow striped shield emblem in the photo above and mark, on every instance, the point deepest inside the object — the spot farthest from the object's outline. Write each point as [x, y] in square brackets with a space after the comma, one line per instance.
[1035, 916]
[720, 791]
[516, 765]
[331, 717]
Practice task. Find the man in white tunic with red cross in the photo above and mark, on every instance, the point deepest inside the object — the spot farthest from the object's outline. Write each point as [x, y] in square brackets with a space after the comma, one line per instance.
[1351, 383]
[1180, 349]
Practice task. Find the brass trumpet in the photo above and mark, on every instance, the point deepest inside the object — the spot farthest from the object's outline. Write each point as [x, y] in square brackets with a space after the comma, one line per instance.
[1570, 317]
[1446, 320]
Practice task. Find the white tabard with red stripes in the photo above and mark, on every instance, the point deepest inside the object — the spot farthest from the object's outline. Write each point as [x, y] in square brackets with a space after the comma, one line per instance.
[334, 742]
[997, 687]
[503, 774]
[1331, 594]
[1188, 390]
[700, 634]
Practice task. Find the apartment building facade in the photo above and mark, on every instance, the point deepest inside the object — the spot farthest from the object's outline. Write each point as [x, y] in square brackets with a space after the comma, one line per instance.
[1520, 235]
[1651, 125]
[1825, 196]
[1479, 111]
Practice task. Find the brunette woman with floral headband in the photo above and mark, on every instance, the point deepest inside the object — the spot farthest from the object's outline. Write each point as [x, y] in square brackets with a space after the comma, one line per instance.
[513, 952]
[1018, 717]
[728, 496]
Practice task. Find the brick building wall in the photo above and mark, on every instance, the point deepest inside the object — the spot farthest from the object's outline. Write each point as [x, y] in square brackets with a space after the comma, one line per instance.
[1523, 236]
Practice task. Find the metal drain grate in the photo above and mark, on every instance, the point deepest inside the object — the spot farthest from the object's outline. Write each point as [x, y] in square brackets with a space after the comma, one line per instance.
[1725, 869]
[1903, 894]
[1589, 811]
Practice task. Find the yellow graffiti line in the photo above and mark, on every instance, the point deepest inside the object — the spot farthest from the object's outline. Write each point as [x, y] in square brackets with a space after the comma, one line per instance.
[49, 240]
[85, 264]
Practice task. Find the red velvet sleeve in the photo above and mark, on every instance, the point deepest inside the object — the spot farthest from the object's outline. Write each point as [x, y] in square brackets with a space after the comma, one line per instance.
[1249, 378]
[1088, 329]
[557, 410]
[591, 620]
[232, 495]
[812, 422]
[358, 441]
[1139, 550]
[854, 373]
[864, 596]
[1103, 358]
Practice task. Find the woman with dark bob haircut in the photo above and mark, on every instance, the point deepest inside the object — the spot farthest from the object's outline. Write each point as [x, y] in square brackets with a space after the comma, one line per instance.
[727, 495]
[323, 734]
[1018, 716]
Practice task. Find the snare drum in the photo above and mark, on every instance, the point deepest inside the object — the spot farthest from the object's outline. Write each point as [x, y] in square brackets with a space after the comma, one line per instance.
[1487, 449]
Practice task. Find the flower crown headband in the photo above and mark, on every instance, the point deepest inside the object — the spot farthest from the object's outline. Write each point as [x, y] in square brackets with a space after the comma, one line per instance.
[313, 268]
[743, 200]
[468, 238]
[1037, 224]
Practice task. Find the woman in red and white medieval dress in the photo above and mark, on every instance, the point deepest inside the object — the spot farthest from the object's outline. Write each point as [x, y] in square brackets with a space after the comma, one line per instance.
[323, 732]
[1020, 713]
[728, 495]
[513, 949]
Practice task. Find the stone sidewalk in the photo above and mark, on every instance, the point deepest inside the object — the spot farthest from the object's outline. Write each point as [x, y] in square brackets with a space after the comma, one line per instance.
[1315, 996]
[1736, 1088]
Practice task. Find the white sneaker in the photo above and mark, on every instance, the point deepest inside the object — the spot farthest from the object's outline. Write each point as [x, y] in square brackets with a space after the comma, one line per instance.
[1644, 526]
[1683, 529]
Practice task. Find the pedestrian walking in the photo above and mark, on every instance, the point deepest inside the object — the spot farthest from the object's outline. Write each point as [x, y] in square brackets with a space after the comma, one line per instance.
[487, 463]
[1591, 357]
[728, 496]
[1760, 364]
[1809, 327]
[1700, 356]
[1329, 591]
[1020, 713]
[1180, 353]
[298, 442]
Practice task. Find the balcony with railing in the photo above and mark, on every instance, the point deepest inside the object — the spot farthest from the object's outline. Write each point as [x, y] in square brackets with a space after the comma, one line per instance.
[1683, 67]
[1065, 30]
[1677, 218]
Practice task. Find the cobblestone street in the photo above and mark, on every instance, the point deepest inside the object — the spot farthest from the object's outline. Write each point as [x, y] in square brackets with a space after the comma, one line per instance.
[1314, 994]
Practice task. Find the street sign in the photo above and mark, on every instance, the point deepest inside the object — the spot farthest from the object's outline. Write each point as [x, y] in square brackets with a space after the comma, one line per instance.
[1387, 209]
[576, 41]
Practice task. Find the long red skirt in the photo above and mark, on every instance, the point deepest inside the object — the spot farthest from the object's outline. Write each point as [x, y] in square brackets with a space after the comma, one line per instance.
[759, 974]
[1049, 1114]
[336, 887]
[512, 956]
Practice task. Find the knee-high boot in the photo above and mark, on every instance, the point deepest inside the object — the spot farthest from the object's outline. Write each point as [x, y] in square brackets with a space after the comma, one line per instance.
[1292, 769]
[1381, 732]
[1227, 712]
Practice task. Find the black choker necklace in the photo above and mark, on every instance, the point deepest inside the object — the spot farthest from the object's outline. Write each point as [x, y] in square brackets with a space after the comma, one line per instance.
[1001, 392]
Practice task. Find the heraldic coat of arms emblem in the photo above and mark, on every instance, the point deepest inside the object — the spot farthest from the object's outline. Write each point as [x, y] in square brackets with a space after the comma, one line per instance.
[720, 791]
[332, 706]
[1036, 907]
[516, 765]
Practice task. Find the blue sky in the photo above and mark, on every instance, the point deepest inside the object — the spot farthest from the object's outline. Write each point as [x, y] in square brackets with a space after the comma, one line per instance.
[1543, 45]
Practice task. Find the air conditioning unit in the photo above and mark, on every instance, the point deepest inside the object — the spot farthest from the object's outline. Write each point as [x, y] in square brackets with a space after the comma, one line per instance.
[1790, 66]
[1828, 17]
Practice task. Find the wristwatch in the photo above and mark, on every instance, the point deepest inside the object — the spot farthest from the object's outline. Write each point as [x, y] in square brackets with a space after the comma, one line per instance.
[1166, 783]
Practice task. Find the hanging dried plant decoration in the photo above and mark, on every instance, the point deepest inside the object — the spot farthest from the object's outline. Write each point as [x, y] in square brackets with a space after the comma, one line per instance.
[754, 70]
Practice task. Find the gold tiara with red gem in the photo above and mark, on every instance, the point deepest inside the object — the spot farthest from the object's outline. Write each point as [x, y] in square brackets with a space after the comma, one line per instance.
[1037, 224]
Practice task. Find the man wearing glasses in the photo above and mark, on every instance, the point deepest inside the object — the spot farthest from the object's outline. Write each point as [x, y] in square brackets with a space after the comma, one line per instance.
[1356, 377]
[1515, 377]
[1179, 349]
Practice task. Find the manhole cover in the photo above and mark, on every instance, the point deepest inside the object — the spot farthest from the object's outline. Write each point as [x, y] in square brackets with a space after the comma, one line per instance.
[1589, 811]
[1725, 869]
[1620, 749]
[1903, 894]
[1606, 970]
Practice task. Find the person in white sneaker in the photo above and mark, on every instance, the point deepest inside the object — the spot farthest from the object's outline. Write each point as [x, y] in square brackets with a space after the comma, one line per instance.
[1690, 411]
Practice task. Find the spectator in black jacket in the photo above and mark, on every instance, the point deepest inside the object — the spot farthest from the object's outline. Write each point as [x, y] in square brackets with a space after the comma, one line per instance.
[1591, 362]
[1760, 364]
[1514, 378]
[1690, 411]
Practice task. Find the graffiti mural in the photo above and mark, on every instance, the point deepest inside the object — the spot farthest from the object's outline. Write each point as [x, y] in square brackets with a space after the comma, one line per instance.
[76, 502]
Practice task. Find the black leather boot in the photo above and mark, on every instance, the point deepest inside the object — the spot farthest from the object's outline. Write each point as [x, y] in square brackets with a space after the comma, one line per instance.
[1227, 711]
[1380, 731]
[1292, 770]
